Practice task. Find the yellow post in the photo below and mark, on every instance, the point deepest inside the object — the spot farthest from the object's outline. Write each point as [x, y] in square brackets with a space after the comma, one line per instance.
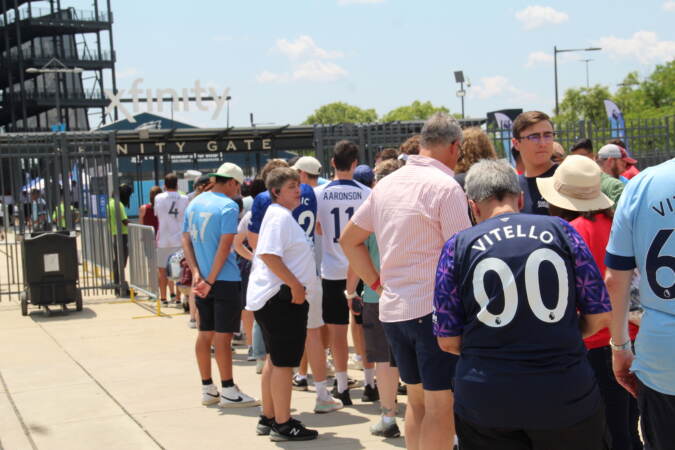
[159, 307]
[132, 295]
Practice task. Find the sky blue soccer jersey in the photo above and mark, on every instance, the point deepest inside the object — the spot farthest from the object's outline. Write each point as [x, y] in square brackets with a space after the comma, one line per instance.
[305, 214]
[642, 236]
[511, 288]
[207, 218]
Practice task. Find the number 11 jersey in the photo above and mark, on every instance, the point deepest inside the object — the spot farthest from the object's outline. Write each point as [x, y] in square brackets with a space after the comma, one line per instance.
[337, 202]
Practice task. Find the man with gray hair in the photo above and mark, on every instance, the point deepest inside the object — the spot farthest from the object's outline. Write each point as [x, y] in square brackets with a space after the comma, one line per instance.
[412, 213]
[506, 300]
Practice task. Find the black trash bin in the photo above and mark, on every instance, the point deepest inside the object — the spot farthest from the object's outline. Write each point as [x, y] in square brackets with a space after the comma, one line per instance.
[50, 271]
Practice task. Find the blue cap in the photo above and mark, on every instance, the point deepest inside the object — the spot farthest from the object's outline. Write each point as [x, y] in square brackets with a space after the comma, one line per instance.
[364, 174]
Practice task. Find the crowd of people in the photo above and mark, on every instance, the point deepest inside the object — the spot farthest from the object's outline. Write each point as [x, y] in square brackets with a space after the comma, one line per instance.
[507, 299]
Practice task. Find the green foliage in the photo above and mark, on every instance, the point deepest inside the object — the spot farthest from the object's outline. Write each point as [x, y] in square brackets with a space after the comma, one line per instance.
[415, 111]
[648, 99]
[339, 112]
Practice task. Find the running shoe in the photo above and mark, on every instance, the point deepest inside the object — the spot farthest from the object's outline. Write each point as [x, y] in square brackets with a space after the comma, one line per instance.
[388, 430]
[326, 406]
[370, 394]
[351, 383]
[164, 302]
[209, 395]
[264, 426]
[299, 384]
[344, 397]
[249, 356]
[293, 430]
[232, 397]
[192, 323]
[239, 339]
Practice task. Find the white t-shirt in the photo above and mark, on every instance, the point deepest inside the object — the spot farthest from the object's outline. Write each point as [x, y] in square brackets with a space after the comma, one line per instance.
[243, 223]
[337, 202]
[280, 235]
[170, 209]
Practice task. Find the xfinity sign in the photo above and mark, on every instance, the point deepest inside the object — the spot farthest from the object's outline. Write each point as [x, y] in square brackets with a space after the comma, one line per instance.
[176, 97]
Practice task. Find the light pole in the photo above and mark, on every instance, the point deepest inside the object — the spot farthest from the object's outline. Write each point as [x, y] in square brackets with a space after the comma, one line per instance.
[461, 93]
[227, 99]
[56, 67]
[557, 50]
[587, 61]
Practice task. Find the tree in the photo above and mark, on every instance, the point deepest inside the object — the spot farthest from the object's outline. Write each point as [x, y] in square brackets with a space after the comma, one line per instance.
[584, 103]
[340, 112]
[415, 111]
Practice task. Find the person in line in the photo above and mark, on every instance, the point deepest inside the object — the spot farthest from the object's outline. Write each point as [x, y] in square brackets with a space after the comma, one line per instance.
[508, 292]
[413, 212]
[533, 139]
[629, 165]
[209, 227]
[117, 213]
[610, 186]
[476, 145]
[169, 209]
[612, 161]
[410, 146]
[377, 347]
[337, 202]
[559, 154]
[642, 238]
[574, 193]
[146, 213]
[282, 281]
[385, 154]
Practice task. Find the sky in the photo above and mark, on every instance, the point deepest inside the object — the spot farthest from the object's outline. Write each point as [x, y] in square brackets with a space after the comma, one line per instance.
[283, 59]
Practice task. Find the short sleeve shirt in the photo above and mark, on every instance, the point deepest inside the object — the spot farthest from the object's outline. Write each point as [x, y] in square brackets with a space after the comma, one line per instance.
[643, 236]
[305, 214]
[170, 210]
[281, 235]
[511, 287]
[534, 202]
[209, 216]
[111, 212]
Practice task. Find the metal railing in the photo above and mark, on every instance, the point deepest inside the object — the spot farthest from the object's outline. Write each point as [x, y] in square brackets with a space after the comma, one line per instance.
[44, 14]
[97, 249]
[143, 260]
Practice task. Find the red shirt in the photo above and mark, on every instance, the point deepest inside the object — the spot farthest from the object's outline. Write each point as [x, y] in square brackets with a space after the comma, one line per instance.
[596, 234]
[150, 218]
[631, 172]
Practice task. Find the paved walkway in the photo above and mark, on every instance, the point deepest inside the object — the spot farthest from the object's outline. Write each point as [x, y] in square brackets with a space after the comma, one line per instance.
[100, 379]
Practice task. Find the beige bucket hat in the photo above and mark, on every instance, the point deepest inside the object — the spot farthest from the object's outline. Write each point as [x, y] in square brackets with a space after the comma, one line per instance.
[575, 186]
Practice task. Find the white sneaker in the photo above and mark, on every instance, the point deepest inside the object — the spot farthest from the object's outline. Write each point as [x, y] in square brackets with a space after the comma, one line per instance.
[326, 406]
[259, 365]
[192, 323]
[232, 397]
[209, 395]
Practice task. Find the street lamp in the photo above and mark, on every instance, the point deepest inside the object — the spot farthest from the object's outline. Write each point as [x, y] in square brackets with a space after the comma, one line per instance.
[586, 61]
[557, 50]
[461, 93]
[56, 67]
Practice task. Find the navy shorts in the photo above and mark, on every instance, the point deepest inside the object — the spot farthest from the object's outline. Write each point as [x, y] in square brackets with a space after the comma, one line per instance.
[418, 356]
[220, 311]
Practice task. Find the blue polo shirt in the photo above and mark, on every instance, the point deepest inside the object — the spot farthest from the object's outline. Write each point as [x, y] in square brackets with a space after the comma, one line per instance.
[643, 236]
[511, 288]
[305, 214]
[207, 218]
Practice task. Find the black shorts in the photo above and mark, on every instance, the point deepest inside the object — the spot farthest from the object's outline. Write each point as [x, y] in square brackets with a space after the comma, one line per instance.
[589, 434]
[221, 310]
[284, 328]
[335, 307]
[656, 413]
[377, 346]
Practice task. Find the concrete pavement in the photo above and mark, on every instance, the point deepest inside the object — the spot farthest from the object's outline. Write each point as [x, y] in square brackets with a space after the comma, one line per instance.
[101, 379]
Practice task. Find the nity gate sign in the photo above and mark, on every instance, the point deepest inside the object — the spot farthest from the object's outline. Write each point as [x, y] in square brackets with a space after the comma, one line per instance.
[179, 147]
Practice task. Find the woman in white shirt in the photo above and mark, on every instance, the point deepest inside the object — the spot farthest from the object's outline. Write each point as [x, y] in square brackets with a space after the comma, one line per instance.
[282, 278]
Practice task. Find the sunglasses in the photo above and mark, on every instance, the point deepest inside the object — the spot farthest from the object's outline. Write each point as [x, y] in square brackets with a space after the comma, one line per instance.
[539, 137]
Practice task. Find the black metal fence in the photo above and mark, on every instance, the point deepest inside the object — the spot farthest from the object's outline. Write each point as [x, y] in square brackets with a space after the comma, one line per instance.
[61, 182]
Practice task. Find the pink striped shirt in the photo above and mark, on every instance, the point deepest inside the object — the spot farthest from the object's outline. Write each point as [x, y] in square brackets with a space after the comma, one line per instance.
[412, 212]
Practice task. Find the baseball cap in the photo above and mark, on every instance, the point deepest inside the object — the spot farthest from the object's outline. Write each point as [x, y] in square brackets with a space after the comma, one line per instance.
[229, 170]
[610, 151]
[364, 174]
[626, 158]
[308, 164]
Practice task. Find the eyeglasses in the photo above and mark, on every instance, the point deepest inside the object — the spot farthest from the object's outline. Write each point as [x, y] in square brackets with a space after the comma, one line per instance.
[539, 137]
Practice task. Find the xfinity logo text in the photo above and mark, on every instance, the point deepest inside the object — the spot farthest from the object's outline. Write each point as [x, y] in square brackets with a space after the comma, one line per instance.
[158, 97]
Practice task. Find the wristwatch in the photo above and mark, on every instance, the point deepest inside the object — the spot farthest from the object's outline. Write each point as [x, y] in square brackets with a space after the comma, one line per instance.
[351, 296]
[624, 346]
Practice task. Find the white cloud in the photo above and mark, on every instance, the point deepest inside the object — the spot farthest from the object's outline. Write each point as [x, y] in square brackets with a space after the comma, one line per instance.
[669, 6]
[127, 73]
[536, 16]
[304, 47]
[643, 46]
[358, 2]
[313, 70]
[535, 58]
[498, 86]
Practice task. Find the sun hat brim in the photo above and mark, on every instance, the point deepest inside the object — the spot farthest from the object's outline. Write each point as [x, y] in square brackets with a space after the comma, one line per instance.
[553, 196]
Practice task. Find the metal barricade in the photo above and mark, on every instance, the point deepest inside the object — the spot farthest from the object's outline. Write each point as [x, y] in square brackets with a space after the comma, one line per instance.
[97, 249]
[143, 261]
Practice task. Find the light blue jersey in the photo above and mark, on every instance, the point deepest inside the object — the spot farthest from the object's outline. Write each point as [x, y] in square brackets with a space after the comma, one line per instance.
[207, 218]
[642, 236]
